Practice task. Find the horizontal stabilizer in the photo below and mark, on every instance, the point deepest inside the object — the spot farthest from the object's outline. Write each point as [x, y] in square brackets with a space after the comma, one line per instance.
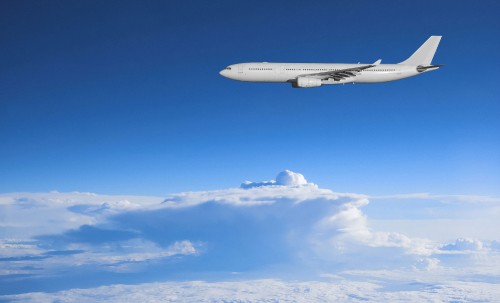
[421, 68]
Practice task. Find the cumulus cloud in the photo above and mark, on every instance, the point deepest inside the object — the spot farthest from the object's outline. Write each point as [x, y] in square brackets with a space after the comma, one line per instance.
[284, 178]
[286, 227]
[289, 178]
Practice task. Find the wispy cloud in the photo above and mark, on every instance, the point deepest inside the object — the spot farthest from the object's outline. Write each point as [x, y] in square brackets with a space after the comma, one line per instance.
[440, 198]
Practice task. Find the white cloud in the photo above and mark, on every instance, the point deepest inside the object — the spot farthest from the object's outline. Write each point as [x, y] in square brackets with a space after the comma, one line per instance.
[24, 215]
[123, 256]
[290, 178]
[441, 198]
[462, 244]
[282, 227]
[441, 218]
[256, 196]
[284, 178]
[271, 290]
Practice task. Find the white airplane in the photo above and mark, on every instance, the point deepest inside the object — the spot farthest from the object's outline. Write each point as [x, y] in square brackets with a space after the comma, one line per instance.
[317, 74]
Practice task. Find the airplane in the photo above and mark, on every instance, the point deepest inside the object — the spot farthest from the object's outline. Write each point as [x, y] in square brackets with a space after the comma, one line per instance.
[303, 75]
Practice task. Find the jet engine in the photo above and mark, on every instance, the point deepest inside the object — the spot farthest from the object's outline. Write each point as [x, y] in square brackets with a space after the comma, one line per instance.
[308, 82]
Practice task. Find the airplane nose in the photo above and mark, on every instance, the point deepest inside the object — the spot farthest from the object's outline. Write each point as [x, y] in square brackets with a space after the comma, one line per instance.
[222, 73]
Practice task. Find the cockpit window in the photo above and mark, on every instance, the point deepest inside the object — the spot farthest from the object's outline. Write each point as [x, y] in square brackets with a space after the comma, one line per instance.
[228, 68]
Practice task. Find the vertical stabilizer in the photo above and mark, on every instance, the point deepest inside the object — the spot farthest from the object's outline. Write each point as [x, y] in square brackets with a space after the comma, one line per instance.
[424, 54]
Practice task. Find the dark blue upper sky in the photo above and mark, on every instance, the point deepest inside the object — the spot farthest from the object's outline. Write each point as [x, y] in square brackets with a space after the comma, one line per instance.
[125, 96]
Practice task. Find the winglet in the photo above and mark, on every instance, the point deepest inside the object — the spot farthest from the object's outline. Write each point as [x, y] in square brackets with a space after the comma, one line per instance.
[377, 62]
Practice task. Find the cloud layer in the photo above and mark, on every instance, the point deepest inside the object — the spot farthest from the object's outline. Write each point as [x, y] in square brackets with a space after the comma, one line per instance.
[272, 290]
[284, 228]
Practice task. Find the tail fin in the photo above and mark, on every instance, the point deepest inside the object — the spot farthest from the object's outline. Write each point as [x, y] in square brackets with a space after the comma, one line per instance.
[424, 54]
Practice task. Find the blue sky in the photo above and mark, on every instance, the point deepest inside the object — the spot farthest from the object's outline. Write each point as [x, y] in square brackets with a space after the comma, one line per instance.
[122, 151]
[124, 97]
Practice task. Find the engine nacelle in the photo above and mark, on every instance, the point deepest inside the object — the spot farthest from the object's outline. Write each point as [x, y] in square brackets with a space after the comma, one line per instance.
[308, 82]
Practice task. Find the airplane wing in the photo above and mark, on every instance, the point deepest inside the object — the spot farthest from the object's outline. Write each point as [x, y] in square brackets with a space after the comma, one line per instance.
[340, 74]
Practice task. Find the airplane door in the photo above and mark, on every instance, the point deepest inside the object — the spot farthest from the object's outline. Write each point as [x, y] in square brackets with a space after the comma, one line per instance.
[240, 68]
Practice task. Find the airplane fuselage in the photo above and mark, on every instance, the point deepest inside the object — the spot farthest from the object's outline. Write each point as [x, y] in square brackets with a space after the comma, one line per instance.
[288, 72]
[318, 74]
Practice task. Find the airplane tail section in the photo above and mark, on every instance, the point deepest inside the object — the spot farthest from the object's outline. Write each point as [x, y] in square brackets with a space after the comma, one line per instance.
[424, 54]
